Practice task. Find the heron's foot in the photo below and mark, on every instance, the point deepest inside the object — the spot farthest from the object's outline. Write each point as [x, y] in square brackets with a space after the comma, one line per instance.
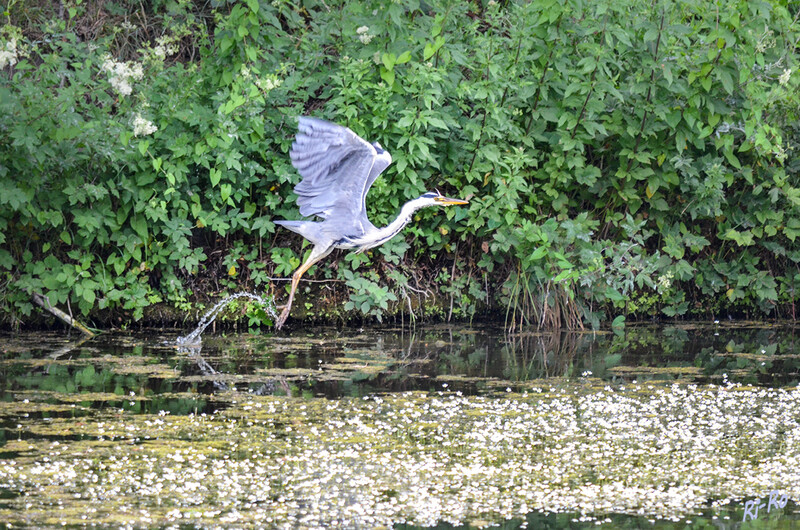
[283, 316]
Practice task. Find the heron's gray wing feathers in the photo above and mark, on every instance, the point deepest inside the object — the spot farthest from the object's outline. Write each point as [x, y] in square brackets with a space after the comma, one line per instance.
[337, 167]
[382, 161]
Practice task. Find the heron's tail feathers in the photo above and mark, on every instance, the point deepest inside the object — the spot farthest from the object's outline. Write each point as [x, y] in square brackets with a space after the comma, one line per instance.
[294, 226]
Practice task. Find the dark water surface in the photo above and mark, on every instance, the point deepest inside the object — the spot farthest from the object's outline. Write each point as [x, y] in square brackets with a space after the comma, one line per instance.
[661, 427]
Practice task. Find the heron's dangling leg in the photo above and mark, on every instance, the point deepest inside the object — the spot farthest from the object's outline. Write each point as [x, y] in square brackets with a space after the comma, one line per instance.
[317, 253]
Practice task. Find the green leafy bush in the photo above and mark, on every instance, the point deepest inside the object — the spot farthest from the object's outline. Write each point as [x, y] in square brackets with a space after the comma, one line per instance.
[621, 158]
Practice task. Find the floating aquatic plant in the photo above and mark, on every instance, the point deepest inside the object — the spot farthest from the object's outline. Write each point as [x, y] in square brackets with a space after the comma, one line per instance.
[420, 458]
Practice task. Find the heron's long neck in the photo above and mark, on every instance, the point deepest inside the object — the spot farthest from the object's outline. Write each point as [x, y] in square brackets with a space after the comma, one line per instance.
[392, 229]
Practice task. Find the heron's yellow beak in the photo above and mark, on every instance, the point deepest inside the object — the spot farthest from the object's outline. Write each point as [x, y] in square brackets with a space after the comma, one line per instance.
[446, 201]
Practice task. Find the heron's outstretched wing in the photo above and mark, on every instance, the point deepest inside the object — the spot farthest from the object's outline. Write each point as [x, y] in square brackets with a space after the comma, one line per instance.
[337, 167]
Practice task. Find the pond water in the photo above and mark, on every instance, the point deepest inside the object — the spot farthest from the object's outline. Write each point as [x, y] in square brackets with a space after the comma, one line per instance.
[443, 426]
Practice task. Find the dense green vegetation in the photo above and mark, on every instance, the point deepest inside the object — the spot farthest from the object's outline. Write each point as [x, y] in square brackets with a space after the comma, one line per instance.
[621, 158]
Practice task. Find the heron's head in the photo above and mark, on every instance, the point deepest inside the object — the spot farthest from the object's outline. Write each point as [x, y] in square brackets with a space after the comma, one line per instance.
[434, 198]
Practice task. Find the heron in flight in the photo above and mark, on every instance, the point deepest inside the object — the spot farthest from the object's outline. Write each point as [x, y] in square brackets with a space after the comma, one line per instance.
[338, 168]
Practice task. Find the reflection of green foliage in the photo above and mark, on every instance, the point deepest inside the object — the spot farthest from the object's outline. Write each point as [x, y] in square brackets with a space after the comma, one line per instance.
[86, 377]
[612, 360]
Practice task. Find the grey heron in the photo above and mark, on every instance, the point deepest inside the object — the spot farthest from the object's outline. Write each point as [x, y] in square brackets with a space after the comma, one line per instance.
[338, 167]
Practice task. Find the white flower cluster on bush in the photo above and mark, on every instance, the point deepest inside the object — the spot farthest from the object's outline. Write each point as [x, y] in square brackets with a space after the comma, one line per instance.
[268, 82]
[143, 126]
[8, 53]
[363, 35]
[165, 46]
[120, 74]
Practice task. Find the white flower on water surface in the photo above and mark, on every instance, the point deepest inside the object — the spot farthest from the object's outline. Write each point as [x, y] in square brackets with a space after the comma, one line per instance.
[143, 126]
[8, 53]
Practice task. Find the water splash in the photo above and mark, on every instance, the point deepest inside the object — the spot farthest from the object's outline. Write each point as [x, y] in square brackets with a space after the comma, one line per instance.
[194, 338]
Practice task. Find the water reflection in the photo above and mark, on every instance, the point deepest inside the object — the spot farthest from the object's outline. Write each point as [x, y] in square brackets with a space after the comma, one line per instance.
[144, 373]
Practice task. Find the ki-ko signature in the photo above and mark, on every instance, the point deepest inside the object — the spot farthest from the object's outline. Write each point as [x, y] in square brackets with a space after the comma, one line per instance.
[776, 500]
